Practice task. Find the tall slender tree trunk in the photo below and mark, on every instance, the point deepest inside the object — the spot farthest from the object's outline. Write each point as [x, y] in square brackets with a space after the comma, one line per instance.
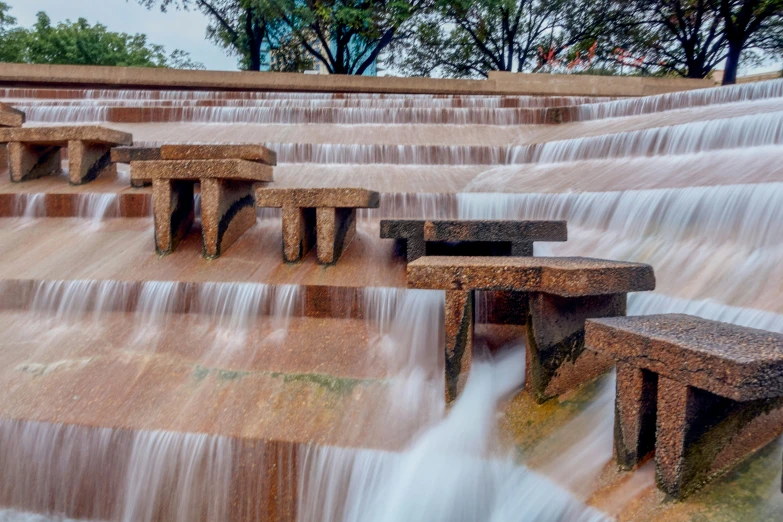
[732, 63]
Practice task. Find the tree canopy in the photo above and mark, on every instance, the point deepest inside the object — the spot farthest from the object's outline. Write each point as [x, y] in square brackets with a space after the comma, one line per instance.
[79, 43]
[691, 37]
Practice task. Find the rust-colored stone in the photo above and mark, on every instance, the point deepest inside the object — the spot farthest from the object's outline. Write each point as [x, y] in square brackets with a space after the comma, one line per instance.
[324, 216]
[35, 151]
[298, 233]
[234, 169]
[250, 152]
[317, 197]
[557, 359]
[714, 392]
[26, 162]
[335, 229]
[459, 341]
[172, 202]
[732, 361]
[10, 117]
[228, 210]
[129, 154]
[561, 294]
[563, 276]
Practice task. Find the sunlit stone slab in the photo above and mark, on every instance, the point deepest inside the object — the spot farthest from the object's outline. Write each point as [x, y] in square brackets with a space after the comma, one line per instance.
[255, 153]
[702, 395]
[233, 169]
[322, 216]
[35, 151]
[560, 294]
[561, 276]
[10, 117]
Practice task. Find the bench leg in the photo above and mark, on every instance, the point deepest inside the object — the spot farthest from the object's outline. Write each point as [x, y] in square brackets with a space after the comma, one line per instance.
[228, 210]
[27, 162]
[173, 209]
[298, 233]
[336, 228]
[557, 359]
[634, 415]
[415, 247]
[459, 340]
[699, 435]
[87, 161]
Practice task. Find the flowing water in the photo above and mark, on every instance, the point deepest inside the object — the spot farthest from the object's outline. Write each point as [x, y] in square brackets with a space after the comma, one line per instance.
[688, 182]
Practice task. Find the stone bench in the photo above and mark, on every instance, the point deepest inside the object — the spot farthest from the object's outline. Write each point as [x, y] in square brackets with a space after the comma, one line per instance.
[561, 293]
[227, 175]
[471, 237]
[701, 395]
[325, 217]
[35, 151]
[127, 155]
[10, 117]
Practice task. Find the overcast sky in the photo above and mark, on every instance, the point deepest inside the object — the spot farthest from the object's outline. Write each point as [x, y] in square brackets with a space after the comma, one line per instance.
[175, 29]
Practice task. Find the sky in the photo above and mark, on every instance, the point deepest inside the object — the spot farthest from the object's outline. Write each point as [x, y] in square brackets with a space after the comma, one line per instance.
[174, 29]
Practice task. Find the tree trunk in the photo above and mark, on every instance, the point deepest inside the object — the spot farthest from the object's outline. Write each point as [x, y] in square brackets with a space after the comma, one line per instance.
[732, 63]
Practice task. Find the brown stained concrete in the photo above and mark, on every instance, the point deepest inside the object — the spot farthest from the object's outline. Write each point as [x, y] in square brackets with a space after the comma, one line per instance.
[732, 361]
[255, 153]
[228, 210]
[129, 154]
[34, 252]
[498, 83]
[702, 395]
[173, 209]
[10, 117]
[562, 293]
[471, 237]
[561, 276]
[324, 217]
[234, 169]
[35, 151]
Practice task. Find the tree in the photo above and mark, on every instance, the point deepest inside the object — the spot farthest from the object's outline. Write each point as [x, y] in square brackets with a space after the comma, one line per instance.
[692, 37]
[239, 26]
[79, 43]
[346, 36]
[463, 38]
[749, 24]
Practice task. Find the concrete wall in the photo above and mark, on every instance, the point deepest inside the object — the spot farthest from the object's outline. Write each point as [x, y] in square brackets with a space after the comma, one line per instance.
[584, 85]
[42, 76]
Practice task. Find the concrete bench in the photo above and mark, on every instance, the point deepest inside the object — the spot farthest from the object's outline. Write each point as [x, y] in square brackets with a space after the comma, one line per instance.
[127, 155]
[561, 293]
[10, 117]
[471, 237]
[35, 151]
[701, 395]
[227, 174]
[325, 217]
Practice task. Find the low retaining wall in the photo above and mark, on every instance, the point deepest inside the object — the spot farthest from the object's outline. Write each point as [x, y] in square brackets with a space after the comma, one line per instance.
[498, 83]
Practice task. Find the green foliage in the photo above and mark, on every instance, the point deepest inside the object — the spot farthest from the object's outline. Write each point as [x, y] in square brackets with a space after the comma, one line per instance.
[463, 38]
[79, 43]
[241, 27]
[346, 36]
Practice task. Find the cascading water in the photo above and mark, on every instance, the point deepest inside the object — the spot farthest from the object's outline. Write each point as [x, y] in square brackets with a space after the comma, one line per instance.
[688, 182]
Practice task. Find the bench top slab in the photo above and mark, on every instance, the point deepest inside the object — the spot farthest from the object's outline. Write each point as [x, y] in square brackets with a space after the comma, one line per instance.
[10, 117]
[61, 135]
[128, 154]
[317, 197]
[475, 230]
[249, 152]
[563, 276]
[732, 361]
[240, 170]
